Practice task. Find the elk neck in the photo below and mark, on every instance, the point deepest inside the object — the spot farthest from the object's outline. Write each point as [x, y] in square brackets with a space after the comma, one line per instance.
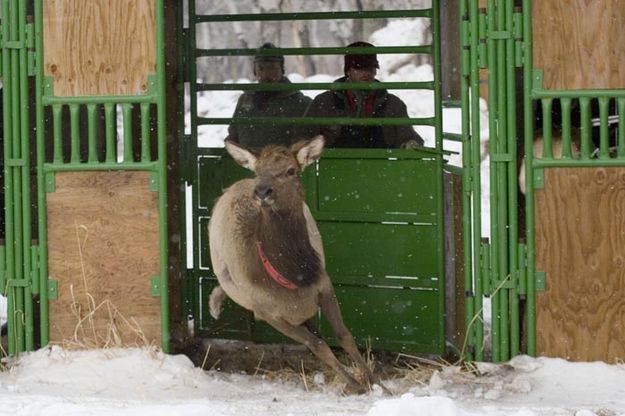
[284, 241]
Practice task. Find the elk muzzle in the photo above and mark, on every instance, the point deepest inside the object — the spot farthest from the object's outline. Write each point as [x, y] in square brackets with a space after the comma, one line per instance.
[263, 192]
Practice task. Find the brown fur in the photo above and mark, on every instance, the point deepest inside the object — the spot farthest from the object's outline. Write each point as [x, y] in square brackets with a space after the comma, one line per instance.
[271, 209]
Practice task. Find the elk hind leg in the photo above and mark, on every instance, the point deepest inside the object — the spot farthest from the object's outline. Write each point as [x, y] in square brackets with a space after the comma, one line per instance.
[318, 347]
[218, 295]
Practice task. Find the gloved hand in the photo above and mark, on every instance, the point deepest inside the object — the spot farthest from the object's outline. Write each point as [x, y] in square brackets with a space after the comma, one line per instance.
[410, 144]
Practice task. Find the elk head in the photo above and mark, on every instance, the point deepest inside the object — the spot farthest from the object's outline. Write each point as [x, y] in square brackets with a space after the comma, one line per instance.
[278, 170]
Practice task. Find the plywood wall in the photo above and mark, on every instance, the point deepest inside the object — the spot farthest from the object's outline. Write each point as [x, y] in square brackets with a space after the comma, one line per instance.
[99, 47]
[580, 43]
[580, 244]
[103, 251]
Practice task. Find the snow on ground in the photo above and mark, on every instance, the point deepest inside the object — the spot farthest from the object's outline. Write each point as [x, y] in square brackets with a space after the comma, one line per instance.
[131, 382]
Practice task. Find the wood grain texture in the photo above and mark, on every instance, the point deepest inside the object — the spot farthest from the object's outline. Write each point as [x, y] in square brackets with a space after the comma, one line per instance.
[579, 43]
[580, 244]
[99, 47]
[103, 250]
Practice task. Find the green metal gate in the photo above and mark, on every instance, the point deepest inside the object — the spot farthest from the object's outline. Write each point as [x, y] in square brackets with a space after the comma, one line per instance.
[380, 212]
[35, 143]
[499, 38]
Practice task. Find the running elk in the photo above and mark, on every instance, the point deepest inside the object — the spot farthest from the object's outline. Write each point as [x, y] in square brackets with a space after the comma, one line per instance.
[267, 254]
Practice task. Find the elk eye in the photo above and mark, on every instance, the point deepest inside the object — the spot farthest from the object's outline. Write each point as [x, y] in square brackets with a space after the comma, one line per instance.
[290, 171]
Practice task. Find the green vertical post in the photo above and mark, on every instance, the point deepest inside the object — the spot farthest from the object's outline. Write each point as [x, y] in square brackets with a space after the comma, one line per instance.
[604, 145]
[621, 127]
[565, 106]
[547, 107]
[528, 119]
[41, 195]
[512, 182]
[493, 104]
[162, 173]
[467, 189]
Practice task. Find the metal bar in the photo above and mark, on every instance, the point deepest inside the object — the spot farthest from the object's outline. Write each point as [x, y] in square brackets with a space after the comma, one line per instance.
[537, 94]
[297, 86]
[438, 131]
[78, 167]
[573, 163]
[162, 177]
[476, 175]
[528, 119]
[339, 50]
[512, 185]
[604, 145]
[547, 128]
[501, 204]
[565, 106]
[332, 15]
[341, 121]
[621, 127]
[18, 236]
[41, 199]
[57, 135]
[128, 137]
[83, 100]
[110, 122]
[25, 182]
[586, 129]
[74, 133]
[494, 108]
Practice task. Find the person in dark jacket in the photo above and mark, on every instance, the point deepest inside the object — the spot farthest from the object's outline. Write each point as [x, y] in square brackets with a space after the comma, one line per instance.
[362, 103]
[290, 103]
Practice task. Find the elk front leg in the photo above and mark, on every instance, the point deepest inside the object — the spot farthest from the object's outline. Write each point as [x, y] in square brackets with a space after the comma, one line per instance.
[318, 347]
[331, 310]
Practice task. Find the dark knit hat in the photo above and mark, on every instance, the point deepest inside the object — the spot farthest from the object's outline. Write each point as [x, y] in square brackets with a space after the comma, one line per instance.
[268, 58]
[360, 61]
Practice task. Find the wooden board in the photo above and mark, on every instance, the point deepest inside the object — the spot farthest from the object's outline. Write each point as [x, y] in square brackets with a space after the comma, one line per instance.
[103, 239]
[99, 47]
[580, 244]
[580, 43]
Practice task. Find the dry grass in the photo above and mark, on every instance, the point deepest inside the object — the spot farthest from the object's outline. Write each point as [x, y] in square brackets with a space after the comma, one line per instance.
[102, 324]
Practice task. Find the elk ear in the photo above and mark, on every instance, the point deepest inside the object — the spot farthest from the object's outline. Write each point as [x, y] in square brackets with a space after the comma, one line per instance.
[307, 152]
[241, 155]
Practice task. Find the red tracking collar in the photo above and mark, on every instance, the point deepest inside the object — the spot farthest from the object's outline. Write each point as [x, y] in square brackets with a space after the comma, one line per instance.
[271, 271]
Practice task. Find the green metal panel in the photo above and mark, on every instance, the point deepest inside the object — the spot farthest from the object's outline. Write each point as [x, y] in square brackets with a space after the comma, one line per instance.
[396, 319]
[379, 212]
[372, 257]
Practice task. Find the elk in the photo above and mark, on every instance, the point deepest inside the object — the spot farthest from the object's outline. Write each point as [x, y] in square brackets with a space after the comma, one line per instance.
[267, 253]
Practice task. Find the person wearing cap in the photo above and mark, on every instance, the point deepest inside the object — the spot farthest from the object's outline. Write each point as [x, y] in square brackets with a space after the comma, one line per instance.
[268, 69]
[362, 104]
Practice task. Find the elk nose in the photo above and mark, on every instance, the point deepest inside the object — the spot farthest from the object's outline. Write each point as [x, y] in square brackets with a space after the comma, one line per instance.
[263, 192]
